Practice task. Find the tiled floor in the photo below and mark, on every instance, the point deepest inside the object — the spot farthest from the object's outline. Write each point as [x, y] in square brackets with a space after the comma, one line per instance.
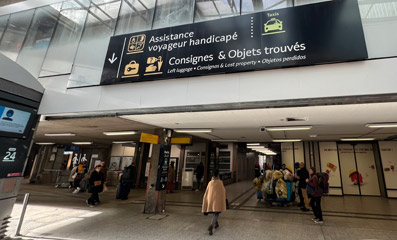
[58, 214]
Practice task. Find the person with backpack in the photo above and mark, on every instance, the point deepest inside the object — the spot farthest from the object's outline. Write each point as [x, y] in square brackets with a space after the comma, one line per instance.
[316, 194]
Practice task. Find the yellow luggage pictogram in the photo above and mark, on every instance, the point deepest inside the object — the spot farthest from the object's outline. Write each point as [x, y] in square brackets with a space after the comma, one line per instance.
[131, 69]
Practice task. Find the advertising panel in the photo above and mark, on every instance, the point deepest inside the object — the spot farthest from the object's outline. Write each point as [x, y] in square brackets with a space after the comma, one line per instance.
[320, 33]
[330, 164]
[351, 178]
[366, 167]
[388, 152]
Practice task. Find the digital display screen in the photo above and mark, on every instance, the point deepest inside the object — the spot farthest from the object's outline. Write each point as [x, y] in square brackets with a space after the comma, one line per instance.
[13, 120]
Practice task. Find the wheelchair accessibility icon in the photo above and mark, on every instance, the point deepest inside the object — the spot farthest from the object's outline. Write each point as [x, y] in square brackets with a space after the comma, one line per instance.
[136, 44]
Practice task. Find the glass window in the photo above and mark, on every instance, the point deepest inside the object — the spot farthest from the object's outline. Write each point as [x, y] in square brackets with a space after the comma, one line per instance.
[380, 27]
[173, 12]
[214, 9]
[15, 33]
[64, 43]
[99, 27]
[250, 6]
[38, 38]
[135, 16]
[3, 24]
[304, 2]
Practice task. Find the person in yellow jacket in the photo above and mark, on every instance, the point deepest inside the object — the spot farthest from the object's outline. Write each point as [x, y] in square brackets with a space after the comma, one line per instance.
[258, 186]
[214, 200]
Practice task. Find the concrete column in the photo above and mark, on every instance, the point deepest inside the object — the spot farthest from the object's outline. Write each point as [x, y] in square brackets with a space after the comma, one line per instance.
[140, 159]
[181, 166]
[155, 200]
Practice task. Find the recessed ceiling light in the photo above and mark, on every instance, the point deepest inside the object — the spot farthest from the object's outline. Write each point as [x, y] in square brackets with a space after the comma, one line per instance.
[357, 139]
[59, 134]
[224, 140]
[122, 142]
[45, 143]
[287, 140]
[194, 130]
[288, 128]
[120, 133]
[381, 125]
[313, 136]
[82, 143]
[253, 144]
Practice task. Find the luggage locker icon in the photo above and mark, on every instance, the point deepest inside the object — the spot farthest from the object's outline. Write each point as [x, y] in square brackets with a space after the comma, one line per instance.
[131, 68]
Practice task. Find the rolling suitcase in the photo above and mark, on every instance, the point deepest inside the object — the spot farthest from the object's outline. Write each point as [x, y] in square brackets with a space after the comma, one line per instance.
[83, 185]
[118, 192]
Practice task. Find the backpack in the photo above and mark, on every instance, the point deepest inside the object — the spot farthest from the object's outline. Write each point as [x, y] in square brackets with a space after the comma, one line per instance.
[323, 186]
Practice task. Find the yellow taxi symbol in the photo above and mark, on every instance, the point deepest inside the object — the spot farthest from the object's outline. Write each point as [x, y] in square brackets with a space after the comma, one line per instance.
[273, 25]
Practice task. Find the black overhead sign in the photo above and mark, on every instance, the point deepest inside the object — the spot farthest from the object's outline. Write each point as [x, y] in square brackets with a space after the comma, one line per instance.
[298, 36]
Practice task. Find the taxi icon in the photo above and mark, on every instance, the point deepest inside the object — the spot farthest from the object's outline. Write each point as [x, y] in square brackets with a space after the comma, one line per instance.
[273, 25]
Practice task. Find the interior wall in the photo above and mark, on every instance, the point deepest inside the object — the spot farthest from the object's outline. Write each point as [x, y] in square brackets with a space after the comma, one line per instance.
[221, 89]
[120, 150]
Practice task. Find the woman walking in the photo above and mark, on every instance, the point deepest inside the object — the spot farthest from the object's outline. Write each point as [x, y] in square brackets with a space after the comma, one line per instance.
[214, 200]
[315, 201]
[95, 185]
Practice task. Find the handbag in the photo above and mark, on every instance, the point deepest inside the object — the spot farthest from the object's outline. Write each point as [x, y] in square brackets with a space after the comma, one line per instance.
[309, 190]
[97, 183]
[227, 204]
[74, 175]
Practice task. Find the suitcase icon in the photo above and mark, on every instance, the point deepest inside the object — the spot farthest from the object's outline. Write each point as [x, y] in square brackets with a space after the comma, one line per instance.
[131, 68]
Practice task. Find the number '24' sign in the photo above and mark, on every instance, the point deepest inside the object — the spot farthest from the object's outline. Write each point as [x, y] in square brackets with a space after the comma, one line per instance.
[10, 155]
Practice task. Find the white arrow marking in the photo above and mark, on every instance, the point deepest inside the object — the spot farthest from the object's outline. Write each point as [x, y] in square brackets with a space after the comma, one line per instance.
[113, 59]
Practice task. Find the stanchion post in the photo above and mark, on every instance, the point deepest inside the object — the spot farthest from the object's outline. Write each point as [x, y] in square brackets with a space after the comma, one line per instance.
[25, 204]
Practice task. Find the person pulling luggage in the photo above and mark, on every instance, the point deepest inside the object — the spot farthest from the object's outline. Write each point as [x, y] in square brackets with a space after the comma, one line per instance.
[127, 181]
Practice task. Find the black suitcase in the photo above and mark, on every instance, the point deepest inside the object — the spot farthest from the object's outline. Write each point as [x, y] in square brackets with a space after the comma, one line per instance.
[83, 185]
[118, 193]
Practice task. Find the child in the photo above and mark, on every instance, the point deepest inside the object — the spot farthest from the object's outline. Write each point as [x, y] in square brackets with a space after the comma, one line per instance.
[258, 186]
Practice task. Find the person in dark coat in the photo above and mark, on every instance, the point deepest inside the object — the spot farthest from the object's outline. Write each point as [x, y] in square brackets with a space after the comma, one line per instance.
[257, 170]
[96, 186]
[128, 179]
[302, 175]
[199, 174]
[315, 201]
[171, 178]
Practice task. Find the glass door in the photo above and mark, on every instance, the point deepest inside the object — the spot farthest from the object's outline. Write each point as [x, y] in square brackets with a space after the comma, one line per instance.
[358, 168]
[367, 168]
[350, 175]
